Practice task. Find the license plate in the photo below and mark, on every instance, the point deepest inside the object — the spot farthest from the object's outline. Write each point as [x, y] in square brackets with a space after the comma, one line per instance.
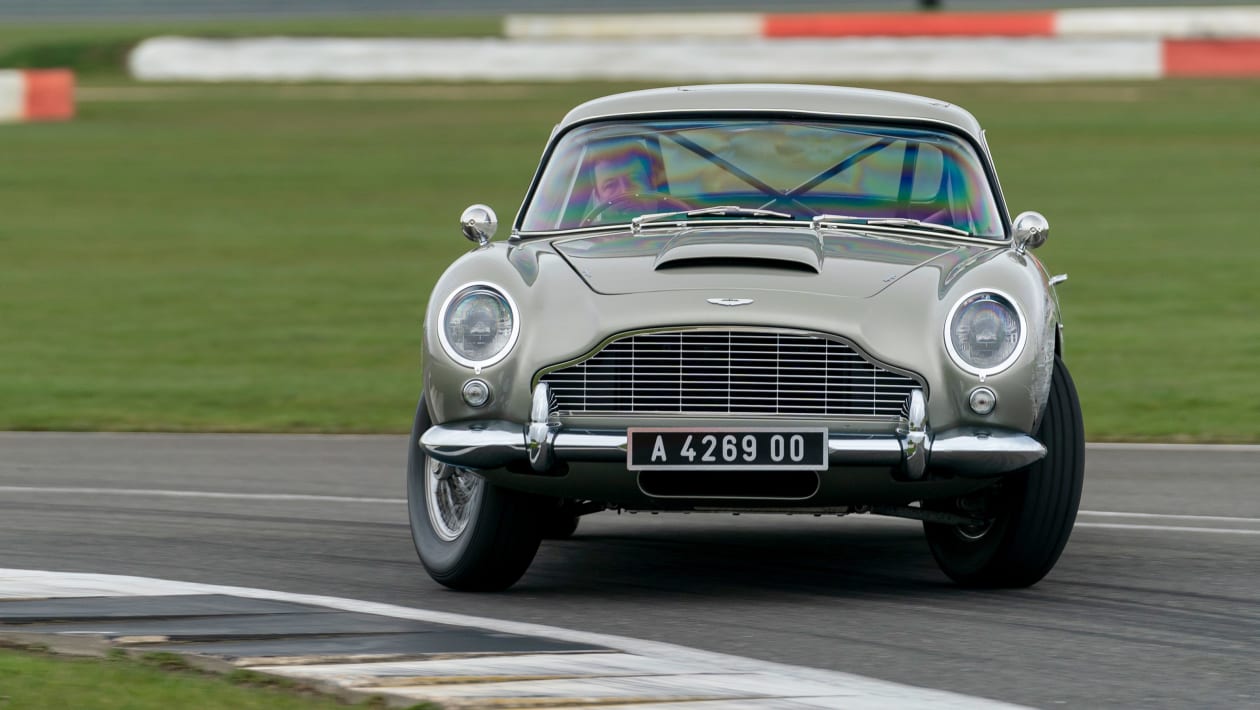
[731, 449]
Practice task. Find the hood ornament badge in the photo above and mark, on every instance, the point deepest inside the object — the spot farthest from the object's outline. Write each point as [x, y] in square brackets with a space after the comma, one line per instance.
[730, 301]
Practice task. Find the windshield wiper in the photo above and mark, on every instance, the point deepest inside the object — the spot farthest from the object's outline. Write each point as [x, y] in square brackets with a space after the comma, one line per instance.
[841, 220]
[720, 211]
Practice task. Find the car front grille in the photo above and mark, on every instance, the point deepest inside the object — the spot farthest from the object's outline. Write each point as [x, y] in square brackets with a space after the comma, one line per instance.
[745, 372]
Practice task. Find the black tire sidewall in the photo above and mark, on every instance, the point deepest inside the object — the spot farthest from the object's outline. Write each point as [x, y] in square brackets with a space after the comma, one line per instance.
[1036, 506]
[495, 547]
[438, 556]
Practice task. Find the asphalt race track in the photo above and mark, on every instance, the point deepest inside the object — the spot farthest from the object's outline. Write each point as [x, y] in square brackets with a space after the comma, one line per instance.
[1156, 602]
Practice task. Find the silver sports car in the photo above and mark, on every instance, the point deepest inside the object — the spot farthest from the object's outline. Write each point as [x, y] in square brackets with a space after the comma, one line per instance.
[786, 299]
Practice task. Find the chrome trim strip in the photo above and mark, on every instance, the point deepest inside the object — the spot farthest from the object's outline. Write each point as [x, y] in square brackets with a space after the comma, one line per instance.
[540, 436]
[483, 444]
[881, 229]
[968, 452]
[583, 418]
[916, 439]
[984, 452]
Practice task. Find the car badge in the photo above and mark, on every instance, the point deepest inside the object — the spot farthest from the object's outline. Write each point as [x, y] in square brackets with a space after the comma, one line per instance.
[730, 301]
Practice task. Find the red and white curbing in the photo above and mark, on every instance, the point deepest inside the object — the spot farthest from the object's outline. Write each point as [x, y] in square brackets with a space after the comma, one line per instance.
[643, 674]
[690, 59]
[36, 95]
[1163, 22]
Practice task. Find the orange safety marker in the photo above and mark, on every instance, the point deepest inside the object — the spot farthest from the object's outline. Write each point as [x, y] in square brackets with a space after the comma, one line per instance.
[906, 24]
[1212, 57]
[36, 95]
[49, 95]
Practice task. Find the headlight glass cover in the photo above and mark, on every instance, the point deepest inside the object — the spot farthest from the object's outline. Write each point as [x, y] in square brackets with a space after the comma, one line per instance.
[985, 332]
[478, 325]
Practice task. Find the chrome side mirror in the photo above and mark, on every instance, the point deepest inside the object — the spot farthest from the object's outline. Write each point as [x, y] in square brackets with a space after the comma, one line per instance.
[479, 224]
[1030, 231]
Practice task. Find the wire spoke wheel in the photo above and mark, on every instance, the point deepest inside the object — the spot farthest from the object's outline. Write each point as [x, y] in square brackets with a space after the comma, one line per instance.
[451, 494]
[470, 534]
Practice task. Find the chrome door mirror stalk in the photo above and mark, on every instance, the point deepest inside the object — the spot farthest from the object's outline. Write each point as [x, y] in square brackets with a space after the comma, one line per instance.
[479, 223]
[1030, 230]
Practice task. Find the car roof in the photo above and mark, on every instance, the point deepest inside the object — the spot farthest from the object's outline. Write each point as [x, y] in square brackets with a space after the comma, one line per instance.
[788, 98]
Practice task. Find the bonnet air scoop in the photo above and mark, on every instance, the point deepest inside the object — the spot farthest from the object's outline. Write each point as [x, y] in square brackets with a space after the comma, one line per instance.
[773, 250]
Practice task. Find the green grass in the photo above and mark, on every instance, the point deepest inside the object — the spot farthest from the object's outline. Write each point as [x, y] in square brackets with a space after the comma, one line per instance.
[99, 49]
[243, 258]
[32, 681]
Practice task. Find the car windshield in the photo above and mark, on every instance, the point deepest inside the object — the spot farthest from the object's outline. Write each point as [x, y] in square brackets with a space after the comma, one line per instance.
[610, 172]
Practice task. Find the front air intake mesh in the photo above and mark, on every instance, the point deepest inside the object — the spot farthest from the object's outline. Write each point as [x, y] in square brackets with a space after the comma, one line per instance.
[706, 372]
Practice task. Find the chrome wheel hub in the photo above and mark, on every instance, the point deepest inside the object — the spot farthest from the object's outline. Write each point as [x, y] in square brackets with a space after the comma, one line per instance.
[450, 495]
[974, 532]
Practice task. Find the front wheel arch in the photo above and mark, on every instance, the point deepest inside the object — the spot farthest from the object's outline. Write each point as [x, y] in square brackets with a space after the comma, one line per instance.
[1031, 511]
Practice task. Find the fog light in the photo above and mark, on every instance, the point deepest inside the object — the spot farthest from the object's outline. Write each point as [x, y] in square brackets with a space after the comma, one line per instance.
[476, 393]
[983, 400]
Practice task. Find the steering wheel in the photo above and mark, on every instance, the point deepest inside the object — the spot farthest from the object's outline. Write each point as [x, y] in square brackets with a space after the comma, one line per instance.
[639, 202]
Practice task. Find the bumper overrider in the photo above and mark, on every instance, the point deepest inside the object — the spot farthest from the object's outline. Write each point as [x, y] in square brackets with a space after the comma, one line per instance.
[967, 452]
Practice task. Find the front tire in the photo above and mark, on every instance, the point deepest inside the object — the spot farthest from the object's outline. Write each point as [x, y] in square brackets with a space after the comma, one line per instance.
[1030, 513]
[470, 535]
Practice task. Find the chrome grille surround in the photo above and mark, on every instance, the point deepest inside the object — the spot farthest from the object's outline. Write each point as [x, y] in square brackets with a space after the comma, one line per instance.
[729, 371]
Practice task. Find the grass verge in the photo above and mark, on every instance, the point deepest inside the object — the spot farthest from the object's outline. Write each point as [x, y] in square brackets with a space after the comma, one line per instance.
[257, 258]
[32, 680]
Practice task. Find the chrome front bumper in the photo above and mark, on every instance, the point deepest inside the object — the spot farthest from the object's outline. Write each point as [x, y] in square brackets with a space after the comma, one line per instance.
[493, 444]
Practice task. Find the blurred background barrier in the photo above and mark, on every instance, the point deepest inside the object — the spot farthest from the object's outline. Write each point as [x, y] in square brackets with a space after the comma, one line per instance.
[1049, 45]
[677, 59]
[689, 59]
[1168, 22]
[78, 10]
[36, 95]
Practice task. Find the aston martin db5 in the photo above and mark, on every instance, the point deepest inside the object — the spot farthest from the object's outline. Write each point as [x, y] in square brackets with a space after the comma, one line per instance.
[750, 298]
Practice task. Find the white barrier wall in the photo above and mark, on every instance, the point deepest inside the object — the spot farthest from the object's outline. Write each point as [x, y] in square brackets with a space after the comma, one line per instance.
[1165, 22]
[1131, 22]
[493, 59]
[646, 25]
[12, 96]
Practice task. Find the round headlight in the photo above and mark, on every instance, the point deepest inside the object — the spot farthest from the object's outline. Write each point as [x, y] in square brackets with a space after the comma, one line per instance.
[984, 333]
[479, 325]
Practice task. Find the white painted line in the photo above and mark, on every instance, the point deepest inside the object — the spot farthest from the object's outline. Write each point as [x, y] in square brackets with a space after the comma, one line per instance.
[534, 664]
[678, 59]
[207, 436]
[310, 498]
[198, 494]
[1158, 447]
[766, 679]
[1168, 528]
[712, 686]
[1171, 516]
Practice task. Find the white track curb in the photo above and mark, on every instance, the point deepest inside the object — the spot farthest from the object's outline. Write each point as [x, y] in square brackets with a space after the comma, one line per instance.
[661, 674]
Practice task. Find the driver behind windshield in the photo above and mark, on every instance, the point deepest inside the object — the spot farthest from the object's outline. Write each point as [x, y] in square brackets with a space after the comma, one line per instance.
[626, 181]
[621, 174]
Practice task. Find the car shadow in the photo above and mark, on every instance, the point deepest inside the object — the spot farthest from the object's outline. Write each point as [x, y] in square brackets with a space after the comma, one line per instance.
[712, 555]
